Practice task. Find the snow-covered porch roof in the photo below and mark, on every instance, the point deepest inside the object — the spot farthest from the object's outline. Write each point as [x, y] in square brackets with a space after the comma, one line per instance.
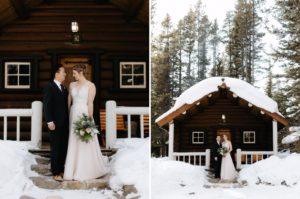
[192, 96]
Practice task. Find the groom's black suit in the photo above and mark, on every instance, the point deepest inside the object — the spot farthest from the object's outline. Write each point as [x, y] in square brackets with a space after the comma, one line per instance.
[56, 111]
[218, 156]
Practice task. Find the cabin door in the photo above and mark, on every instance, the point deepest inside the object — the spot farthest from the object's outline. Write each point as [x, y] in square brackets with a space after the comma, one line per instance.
[222, 132]
[69, 62]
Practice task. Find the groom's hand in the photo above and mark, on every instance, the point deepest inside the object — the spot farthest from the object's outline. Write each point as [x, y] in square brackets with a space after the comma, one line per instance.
[51, 126]
[216, 158]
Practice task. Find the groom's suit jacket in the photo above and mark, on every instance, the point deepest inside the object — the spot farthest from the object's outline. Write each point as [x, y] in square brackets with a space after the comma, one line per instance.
[56, 105]
[215, 149]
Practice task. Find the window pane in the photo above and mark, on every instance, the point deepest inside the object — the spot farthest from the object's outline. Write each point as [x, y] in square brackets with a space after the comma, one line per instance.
[139, 69]
[127, 80]
[138, 80]
[24, 80]
[126, 69]
[12, 69]
[12, 80]
[24, 69]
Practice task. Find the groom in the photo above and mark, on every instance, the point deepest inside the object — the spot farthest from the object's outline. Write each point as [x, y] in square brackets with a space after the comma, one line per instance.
[57, 118]
[217, 157]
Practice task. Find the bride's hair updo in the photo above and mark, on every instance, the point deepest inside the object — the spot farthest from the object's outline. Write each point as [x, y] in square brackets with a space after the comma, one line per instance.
[80, 68]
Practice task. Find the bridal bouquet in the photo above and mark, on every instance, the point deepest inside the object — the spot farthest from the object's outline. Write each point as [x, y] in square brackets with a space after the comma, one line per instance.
[222, 151]
[85, 128]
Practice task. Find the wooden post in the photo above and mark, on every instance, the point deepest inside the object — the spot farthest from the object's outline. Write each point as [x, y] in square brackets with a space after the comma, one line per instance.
[275, 137]
[207, 158]
[171, 139]
[238, 158]
[111, 134]
[36, 124]
[142, 125]
[5, 128]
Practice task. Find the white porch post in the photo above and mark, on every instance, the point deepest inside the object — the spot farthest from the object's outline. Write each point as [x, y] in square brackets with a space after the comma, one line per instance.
[275, 137]
[36, 124]
[171, 139]
[111, 134]
[207, 158]
[238, 158]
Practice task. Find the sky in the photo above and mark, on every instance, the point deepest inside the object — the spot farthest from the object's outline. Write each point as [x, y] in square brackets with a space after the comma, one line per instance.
[215, 9]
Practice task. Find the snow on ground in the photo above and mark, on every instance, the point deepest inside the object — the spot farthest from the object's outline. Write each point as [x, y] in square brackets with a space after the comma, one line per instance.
[15, 171]
[274, 170]
[131, 165]
[177, 180]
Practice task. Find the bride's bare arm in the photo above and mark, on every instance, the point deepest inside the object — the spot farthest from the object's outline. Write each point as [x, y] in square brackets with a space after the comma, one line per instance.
[92, 94]
[70, 96]
[230, 147]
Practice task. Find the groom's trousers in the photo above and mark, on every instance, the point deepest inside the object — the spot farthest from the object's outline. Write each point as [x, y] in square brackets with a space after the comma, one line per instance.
[59, 145]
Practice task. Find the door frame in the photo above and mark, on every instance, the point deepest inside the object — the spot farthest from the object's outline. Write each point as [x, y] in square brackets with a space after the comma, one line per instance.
[95, 55]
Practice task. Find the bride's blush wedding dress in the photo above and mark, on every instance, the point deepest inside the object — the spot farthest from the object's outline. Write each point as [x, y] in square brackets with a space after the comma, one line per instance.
[84, 160]
[228, 171]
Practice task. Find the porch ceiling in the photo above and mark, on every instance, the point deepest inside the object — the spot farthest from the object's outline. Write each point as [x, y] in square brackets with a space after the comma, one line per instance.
[13, 9]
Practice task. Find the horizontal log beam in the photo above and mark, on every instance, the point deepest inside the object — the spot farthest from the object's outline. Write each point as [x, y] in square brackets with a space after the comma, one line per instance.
[20, 8]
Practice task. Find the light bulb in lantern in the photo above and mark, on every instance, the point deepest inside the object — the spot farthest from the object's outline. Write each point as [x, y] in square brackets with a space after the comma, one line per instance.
[74, 26]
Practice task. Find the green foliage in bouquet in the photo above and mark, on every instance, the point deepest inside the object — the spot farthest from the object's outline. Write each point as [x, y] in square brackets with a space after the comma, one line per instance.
[222, 151]
[85, 128]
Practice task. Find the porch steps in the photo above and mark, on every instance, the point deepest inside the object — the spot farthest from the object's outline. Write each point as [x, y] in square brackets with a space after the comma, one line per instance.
[217, 183]
[45, 152]
[44, 180]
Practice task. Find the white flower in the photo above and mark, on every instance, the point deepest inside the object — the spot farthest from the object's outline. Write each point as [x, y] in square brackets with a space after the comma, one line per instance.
[88, 130]
[95, 131]
[81, 132]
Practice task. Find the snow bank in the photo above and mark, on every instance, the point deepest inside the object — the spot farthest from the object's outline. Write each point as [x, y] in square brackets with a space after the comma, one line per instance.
[131, 165]
[274, 170]
[239, 87]
[14, 166]
[169, 179]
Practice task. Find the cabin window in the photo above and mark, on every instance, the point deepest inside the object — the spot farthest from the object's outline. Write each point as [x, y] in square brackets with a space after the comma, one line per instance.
[132, 74]
[198, 137]
[249, 137]
[17, 75]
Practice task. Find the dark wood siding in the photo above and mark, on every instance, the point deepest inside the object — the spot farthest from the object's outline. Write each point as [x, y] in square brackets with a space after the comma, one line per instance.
[104, 29]
[238, 119]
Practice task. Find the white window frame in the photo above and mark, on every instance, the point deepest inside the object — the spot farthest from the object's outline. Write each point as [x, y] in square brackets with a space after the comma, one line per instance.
[18, 74]
[244, 137]
[121, 75]
[198, 133]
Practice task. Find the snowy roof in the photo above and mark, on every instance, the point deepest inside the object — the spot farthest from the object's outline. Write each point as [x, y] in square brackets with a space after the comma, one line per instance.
[241, 88]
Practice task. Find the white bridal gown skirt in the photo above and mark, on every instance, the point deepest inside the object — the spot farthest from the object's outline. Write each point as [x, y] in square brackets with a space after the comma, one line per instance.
[84, 160]
[228, 171]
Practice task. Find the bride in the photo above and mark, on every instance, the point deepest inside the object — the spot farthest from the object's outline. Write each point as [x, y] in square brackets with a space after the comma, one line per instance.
[84, 160]
[228, 171]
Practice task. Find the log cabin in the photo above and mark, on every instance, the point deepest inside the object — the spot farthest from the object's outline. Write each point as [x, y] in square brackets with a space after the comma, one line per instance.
[110, 37]
[218, 106]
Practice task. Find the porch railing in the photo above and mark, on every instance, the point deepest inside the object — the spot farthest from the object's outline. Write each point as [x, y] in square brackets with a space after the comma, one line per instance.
[195, 158]
[35, 113]
[250, 157]
[112, 110]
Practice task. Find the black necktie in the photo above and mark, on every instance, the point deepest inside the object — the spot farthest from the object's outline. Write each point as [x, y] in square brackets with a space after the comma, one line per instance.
[61, 88]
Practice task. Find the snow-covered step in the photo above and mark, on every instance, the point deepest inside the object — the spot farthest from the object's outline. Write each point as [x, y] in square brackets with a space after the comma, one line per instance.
[47, 182]
[45, 152]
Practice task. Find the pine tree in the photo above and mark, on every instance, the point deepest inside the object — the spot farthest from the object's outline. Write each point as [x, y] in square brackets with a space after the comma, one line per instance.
[189, 35]
[214, 41]
[226, 39]
[289, 52]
